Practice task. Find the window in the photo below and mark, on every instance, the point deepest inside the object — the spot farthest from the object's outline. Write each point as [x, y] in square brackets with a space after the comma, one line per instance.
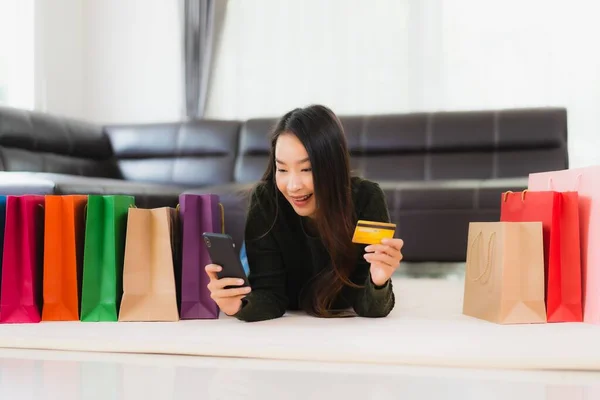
[17, 53]
[353, 52]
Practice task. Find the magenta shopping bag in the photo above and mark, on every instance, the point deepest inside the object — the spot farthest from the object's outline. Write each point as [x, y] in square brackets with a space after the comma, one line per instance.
[22, 261]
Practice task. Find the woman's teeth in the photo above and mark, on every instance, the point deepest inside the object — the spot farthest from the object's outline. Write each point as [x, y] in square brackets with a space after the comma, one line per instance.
[303, 198]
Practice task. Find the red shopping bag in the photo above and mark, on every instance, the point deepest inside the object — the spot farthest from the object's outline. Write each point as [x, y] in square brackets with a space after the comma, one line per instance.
[559, 214]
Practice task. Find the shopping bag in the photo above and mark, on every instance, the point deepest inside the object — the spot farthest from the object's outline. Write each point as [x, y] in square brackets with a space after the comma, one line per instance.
[504, 277]
[559, 214]
[584, 181]
[22, 260]
[64, 229]
[199, 214]
[105, 229]
[151, 262]
[2, 223]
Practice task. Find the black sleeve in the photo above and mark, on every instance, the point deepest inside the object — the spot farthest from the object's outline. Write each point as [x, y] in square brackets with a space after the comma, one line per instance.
[267, 277]
[372, 301]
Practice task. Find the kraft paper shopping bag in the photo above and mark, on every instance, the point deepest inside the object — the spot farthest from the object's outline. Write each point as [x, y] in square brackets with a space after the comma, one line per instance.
[559, 214]
[199, 214]
[584, 181]
[64, 231]
[22, 260]
[504, 277]
[105, 229]
[151, 262]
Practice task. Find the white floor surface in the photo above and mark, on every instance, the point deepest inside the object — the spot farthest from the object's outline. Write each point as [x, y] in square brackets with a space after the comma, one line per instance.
[424, 350]
[50, 375]
[425, 329]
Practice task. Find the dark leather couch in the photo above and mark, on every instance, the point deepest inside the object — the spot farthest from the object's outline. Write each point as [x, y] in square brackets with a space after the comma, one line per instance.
[439, 170]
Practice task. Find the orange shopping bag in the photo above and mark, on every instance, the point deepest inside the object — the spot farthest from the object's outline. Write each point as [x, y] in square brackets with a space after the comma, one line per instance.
[63, 256]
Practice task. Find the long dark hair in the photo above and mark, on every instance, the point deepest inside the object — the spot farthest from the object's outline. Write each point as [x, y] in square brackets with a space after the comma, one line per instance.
[322, 134]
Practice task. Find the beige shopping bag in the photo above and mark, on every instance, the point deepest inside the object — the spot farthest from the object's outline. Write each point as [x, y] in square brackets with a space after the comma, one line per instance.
[150, 266]
[504, 277]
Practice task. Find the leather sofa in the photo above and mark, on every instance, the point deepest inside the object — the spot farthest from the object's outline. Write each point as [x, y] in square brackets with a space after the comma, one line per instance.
[439, 170]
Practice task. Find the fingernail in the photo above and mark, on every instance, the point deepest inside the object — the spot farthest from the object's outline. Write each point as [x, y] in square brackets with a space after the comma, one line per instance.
[368, 248]
[248, 288]
[240, 281]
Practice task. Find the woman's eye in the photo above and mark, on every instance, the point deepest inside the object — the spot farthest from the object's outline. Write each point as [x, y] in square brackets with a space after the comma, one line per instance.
[280, 170]
[307, 170]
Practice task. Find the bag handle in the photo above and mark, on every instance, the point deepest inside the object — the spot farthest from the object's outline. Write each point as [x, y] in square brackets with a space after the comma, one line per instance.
[489, 257]
[505, 195]
[222, 209]
[577, 182]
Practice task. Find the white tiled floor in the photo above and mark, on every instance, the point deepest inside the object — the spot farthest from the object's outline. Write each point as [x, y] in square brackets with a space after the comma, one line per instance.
[83, 376]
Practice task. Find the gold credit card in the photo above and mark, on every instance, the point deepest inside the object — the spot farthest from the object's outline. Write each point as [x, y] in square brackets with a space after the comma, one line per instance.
[371, 232]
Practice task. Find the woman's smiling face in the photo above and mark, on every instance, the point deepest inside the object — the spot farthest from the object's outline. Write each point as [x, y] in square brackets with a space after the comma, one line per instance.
[293, 174]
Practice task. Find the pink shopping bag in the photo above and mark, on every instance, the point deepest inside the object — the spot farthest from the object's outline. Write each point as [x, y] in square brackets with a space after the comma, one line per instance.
[22, 262]
[584, 181]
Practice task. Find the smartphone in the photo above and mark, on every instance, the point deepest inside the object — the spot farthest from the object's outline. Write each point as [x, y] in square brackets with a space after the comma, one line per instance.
[221, 250]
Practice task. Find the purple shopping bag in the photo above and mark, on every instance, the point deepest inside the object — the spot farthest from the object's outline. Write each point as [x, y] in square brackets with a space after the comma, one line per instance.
[22, 261]
[199, 214]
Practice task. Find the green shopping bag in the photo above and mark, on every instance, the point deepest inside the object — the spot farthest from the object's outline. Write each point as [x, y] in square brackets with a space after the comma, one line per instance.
[105, 229]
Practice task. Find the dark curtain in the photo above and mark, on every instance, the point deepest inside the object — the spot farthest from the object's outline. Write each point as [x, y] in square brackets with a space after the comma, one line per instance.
[202, 23]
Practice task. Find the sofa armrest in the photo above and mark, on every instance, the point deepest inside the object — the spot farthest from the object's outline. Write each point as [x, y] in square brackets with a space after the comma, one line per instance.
[21, 183]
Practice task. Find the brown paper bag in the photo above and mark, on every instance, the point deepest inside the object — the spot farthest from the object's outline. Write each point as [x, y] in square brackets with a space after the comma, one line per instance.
[150, 266]
[504, 277]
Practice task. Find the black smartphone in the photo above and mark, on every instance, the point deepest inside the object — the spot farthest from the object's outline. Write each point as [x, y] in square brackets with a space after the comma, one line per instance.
[221, 250]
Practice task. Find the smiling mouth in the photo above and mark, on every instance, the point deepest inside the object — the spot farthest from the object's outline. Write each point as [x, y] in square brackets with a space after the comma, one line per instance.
[301, 200]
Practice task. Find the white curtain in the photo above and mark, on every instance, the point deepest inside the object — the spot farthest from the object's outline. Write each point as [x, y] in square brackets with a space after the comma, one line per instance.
[395, 56]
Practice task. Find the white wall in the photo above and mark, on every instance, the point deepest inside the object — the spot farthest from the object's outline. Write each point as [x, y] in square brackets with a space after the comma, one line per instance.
[411, 55]
[112, 61]
[133, 61]
[276, 55]
[525, 53]
[59, 63]
[109, 61]
[16, 53]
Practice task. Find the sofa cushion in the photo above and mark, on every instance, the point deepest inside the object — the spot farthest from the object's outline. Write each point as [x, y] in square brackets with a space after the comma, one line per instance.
[434, 146]
[433, 217]
[449, 194]
[39, 142]
[146, 195]
[41, 132]
[17, 160]
[253, 150]
[193, 153]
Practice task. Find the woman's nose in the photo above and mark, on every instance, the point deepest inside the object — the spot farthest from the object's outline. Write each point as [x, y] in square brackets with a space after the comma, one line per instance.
[294, 183]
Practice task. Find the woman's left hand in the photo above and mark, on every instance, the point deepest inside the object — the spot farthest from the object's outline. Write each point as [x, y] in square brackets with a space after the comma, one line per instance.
[384, 259]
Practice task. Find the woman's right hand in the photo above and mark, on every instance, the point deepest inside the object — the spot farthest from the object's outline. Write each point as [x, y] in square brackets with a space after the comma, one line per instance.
[228, 300]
